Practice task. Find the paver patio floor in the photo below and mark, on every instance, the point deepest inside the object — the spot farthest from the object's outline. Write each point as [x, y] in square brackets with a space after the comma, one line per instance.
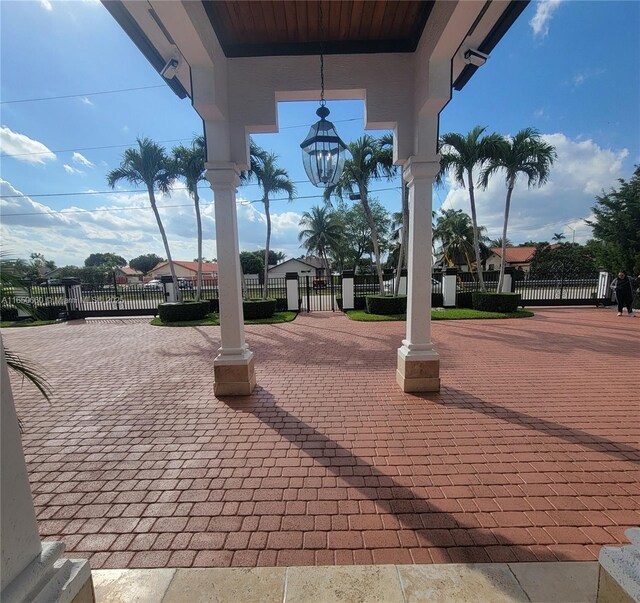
[530, 452]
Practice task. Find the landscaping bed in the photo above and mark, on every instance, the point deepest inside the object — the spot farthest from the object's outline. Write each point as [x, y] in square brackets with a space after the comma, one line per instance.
[213, 320]
[444, 314]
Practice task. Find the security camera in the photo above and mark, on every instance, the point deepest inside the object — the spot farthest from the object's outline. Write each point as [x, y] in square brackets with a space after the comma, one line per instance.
[170, 69]
[475, 57]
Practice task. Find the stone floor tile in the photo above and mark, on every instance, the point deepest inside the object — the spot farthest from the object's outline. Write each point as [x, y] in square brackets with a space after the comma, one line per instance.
[246, 585]
[568, 582]
[460, 583]
[132, 586]
[343, 584]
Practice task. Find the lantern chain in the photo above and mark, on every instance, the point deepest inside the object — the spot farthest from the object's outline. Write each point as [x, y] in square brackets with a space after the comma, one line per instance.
[322, 101]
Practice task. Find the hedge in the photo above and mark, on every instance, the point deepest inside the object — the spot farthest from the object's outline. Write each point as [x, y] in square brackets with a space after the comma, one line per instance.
[8, 314]
[496, 302]
[386, 304]
[260, 308]
[49, 312]
[183, 311]
[464, 299]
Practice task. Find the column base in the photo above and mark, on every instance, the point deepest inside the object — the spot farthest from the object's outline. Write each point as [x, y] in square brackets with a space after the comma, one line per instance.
[419, 372]
[620, 571]
[49, 578]
[234, 376]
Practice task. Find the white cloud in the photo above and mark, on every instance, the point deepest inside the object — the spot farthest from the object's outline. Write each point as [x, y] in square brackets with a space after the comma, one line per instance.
[71, 170]
[46, 4]
[81, 159]
[582, 171]
[85, 101]
[544, 12]
[539, 113]
[23, 148]
[580, 78]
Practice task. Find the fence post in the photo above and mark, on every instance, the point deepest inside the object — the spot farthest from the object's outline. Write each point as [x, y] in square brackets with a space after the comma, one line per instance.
[292, 291]
[402, 289]
[171, 295]
[24, 292]
[73, 294]
[449, 281]
[604, 293]
[507, 281]
[347, 290]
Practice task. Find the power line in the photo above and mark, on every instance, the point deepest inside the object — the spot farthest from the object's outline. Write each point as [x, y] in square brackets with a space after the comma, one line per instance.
[113, 146]
[116, 146]
[46, 98]
[114, 209]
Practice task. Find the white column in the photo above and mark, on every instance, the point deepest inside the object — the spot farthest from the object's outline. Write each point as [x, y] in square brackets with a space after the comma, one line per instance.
[292, 291]
[402, 289]
[31, 570]
[418, 362]
[620, 570]
[171, 293]
[604, 293]
[449, 285]
[507, 281]
[230, 377]
[348, 301]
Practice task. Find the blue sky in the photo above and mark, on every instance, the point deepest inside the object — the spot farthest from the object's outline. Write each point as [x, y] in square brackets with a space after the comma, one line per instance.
[568, 68]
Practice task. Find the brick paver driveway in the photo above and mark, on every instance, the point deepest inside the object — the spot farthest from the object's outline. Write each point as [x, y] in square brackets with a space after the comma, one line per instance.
[530, 452]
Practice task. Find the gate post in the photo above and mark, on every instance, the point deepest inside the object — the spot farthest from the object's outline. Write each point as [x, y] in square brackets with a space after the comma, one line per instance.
[507, 281]
[24, 292]
[292, 291]
[347, 290]
[449, 280]
[603, 295]
[171, 295]
[73, 294]
[402, 289]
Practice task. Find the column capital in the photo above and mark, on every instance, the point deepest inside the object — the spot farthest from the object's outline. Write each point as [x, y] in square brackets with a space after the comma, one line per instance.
[421, 168]
[222, 175]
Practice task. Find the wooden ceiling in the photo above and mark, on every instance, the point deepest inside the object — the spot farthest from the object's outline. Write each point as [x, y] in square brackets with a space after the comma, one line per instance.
[247, 28]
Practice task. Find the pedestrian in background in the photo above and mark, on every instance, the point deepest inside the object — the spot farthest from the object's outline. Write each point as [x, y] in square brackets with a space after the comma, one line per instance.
[624, 292]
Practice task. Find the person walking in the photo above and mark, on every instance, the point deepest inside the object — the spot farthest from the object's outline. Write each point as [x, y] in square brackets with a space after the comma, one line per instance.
[624, 292]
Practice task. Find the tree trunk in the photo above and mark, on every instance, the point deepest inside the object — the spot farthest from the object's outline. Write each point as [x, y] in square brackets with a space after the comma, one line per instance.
[265, 290]
[199, 224]
[507, 206]
[163, 234]
[476, 234]
[404, 238]
[374, 236]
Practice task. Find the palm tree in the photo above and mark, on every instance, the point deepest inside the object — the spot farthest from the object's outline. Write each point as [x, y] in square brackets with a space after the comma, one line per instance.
[272, 179]
[189, 163]
[460, 155]
[558, 237]
[455, 232]
[371, 158]
[322, 230]
[149, 165]
[498, 243]
[526, 153]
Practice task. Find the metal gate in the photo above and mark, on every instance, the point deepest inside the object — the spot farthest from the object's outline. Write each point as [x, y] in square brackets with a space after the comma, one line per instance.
[318, 294]
[559, 288]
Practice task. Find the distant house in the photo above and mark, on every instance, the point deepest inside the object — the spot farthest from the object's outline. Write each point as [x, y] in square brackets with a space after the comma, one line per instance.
[187, 270]
[516, 257]
[128, 276]
[310, 266]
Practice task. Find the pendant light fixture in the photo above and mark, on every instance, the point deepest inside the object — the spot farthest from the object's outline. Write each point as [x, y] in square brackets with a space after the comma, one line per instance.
[323, 152]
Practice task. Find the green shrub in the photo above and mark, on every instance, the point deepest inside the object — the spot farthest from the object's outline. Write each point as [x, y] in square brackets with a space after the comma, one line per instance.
[183, 311]
[386, 304]
[281, 304]
[463, 299]
[49, 312]
[8, 314]
[437, 300]
[214, 305]
[259, 308]
[496, 302]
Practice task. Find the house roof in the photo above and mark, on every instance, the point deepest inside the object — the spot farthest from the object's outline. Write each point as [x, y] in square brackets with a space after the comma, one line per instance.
[305, 262]
[516, 255]
[193, 266]
[130, 271]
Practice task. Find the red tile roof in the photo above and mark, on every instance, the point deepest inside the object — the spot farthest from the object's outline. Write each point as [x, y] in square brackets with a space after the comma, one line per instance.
[516, 255]
[193, 266]
[130, 271]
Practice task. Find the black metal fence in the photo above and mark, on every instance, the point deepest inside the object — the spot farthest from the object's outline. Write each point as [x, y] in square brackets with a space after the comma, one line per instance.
[559, 289]
[320, 294]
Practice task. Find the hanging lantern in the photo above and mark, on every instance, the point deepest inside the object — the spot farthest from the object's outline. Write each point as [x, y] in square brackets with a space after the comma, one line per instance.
[323, 152]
